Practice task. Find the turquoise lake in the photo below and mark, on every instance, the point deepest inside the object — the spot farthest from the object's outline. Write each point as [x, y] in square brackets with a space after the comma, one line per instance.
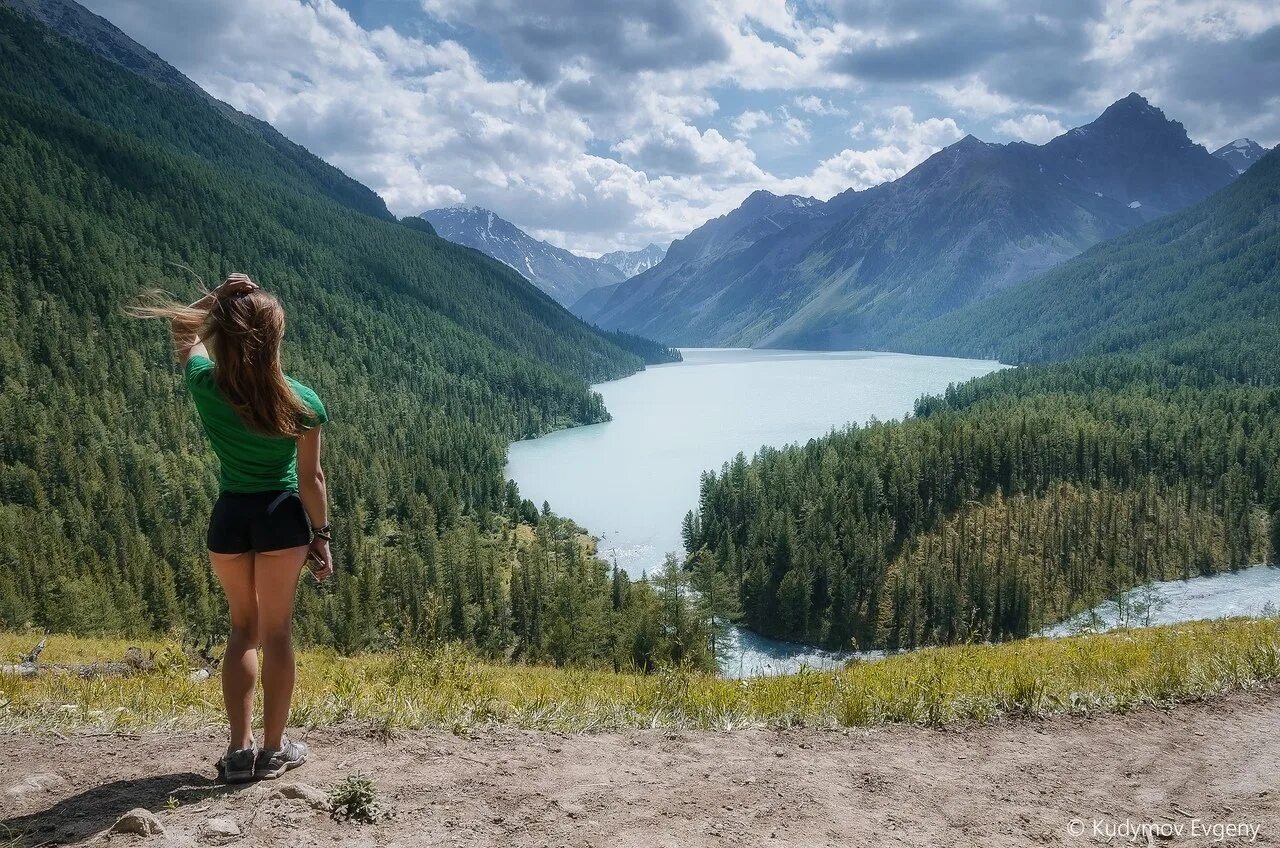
[631, 480]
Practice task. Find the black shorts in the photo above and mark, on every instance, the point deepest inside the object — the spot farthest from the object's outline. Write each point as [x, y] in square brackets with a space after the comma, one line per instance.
[261, 521]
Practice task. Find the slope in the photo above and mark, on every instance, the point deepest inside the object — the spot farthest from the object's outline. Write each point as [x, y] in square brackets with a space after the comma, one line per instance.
[430, 357]
[1202, 285]
[97, 35]
[664, 295]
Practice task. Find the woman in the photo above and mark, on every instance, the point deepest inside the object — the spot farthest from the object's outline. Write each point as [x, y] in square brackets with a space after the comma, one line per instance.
[271, 513]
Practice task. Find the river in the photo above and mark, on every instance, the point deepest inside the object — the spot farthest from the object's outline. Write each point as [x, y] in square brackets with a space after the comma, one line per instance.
[1253, 591]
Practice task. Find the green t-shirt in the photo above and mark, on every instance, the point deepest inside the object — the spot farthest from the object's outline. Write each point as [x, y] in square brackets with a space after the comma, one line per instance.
[250, 462]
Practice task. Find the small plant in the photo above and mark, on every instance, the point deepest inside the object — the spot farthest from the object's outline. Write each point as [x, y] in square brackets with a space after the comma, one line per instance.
[172, 803]
[355, 798]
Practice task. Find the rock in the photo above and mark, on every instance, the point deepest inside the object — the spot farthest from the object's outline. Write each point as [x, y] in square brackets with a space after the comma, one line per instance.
[139, 821]
[305, 792]
[32, 783]
[219, 828]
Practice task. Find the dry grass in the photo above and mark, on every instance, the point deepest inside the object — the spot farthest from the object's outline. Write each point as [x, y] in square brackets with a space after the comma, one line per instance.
[444, 687]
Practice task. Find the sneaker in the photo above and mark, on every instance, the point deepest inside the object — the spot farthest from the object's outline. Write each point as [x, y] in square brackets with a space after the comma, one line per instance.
[237, 765]
[271, 764]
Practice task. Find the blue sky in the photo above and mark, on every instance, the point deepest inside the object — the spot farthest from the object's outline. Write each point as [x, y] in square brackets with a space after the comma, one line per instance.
[604, 124]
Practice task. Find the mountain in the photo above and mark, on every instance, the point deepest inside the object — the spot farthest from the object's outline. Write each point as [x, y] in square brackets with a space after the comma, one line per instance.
[1202, 284]
[632, 262]
[760, 215]
[561, 274]
[100, 37]
[971, 220]
[430, 357]
[1241, 153]
[589, 306]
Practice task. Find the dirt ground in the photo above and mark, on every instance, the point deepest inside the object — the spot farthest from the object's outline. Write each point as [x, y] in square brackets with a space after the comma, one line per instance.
[1180, 772]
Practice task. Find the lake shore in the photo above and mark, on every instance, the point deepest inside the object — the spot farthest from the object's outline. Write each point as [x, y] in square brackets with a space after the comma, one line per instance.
[630, 480]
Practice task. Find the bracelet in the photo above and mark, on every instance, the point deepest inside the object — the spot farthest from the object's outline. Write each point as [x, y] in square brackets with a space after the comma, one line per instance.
[325, 532]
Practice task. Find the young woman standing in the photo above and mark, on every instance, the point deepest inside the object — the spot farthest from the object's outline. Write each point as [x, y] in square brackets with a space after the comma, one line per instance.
[271, 513]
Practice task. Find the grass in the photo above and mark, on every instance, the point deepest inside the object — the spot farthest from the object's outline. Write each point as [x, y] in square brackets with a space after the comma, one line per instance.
[444, 687]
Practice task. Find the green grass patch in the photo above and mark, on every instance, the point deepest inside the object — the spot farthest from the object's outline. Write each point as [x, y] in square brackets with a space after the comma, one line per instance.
[445, 687]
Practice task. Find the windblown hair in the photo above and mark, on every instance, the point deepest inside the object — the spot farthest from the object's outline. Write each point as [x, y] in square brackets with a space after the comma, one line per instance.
[243, 333]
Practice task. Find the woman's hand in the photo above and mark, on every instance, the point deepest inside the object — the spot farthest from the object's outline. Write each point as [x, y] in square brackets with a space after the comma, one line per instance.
[320, 559]
[235, 284]
[232, 285]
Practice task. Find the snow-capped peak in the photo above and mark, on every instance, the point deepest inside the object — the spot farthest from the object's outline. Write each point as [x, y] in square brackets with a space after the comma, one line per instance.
[632, 262]
[561, 274]
[1241, 153]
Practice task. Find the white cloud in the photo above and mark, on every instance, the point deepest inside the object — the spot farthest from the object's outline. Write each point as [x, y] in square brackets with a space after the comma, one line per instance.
[750, 121]
[904, 143]
[680, 149]
[972, 97]
[906, 132]
[423, 125]
[815, 105]
[1035, 128]
[594, 122]
[794, 130]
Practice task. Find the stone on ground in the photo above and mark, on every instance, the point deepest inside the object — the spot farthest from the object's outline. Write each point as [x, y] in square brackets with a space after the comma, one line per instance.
[219, 828]
[305, 792]
[140, 821]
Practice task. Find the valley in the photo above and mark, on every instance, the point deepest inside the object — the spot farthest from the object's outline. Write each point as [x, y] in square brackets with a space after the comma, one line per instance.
[670, 423]
[679, 493]
[877, 533]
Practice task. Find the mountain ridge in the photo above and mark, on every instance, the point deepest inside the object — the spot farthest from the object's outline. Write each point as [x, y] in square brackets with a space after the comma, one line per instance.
[972, 219]
[102, 38]
[564, 275]
[632, 262]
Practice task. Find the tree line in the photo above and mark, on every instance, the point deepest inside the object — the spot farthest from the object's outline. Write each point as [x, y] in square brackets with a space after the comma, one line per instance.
[1001, 506]
[429, 358]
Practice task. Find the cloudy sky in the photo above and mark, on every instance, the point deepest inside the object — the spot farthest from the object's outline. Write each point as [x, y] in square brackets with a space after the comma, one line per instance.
[600, 124]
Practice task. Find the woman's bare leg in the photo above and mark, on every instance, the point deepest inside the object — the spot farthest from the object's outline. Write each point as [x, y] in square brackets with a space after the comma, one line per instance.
[276, 576]
[240, 663]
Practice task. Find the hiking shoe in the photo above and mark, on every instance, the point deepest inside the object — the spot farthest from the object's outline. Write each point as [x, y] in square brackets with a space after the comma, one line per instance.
[272, 764]
[237, 765]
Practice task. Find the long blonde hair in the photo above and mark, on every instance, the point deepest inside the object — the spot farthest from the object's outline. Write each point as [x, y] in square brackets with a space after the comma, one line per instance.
[243, 332]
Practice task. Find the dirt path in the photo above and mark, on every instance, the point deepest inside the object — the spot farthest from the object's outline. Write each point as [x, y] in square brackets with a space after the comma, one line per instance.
[1014, 784]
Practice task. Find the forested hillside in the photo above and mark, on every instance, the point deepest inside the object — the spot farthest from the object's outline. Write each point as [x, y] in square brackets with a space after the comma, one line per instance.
[1201, 286]
[1023, 497]
[429, 357]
